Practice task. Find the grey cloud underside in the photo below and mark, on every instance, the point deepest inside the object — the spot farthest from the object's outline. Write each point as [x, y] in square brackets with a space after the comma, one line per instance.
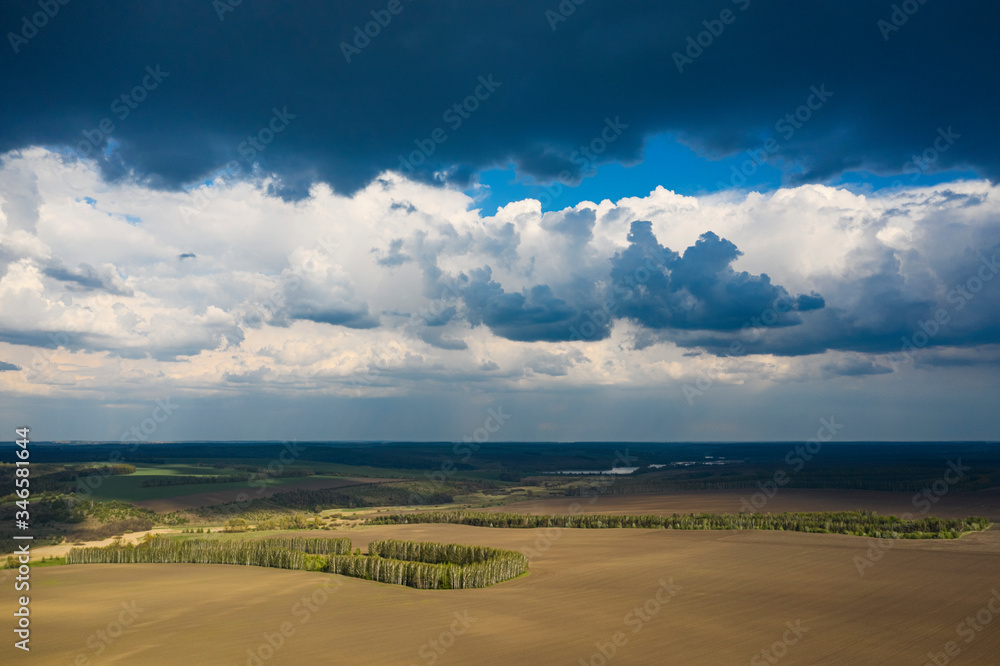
[251, 377]
[436, 338]
[575, 224]
[353, 120]
[348, 318]
[324, 299]
[394, 256]
[855, 368]
[87, 278]
[207, 337]
[537, 315]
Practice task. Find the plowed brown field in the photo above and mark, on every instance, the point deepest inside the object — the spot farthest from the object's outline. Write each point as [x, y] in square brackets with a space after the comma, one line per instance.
[737, 593]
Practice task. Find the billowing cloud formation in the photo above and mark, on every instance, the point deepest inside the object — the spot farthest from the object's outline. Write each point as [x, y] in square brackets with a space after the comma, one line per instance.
[648, 283]
[809, 282]
[176, 92]
[699, 289]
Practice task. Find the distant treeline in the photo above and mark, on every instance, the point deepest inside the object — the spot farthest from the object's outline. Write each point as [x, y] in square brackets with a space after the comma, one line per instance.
[419, 565]
[641, 483]
[104, 470]
[83, 520]
[57, 518]
[393, 493]
[908, 466]
[58, 478]
[167, 551]
[188, 479]
[857, 523]
[288, 521]
[117, 517]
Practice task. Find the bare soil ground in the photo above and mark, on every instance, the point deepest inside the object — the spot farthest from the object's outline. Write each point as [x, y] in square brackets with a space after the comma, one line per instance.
[737, 593]
[60, 550]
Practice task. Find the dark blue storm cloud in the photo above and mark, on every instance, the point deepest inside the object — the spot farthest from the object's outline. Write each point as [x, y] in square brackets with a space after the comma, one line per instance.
[699, 289]
[535, 315]
[647, 283]
[172, 92]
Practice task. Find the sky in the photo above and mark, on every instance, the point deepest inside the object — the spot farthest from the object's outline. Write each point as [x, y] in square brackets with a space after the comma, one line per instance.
[720, 220]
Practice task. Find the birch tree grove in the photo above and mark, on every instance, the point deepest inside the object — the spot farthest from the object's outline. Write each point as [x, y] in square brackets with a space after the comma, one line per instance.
[857, 523]
[422, 565]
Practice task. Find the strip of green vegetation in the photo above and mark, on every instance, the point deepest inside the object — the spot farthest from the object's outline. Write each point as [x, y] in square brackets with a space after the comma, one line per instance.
[147, 469]
[422, 565]
[13, 563]
[857, 523]
[132, 489]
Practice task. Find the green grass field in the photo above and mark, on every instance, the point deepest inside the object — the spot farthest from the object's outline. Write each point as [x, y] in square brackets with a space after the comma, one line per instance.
[142, 469]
